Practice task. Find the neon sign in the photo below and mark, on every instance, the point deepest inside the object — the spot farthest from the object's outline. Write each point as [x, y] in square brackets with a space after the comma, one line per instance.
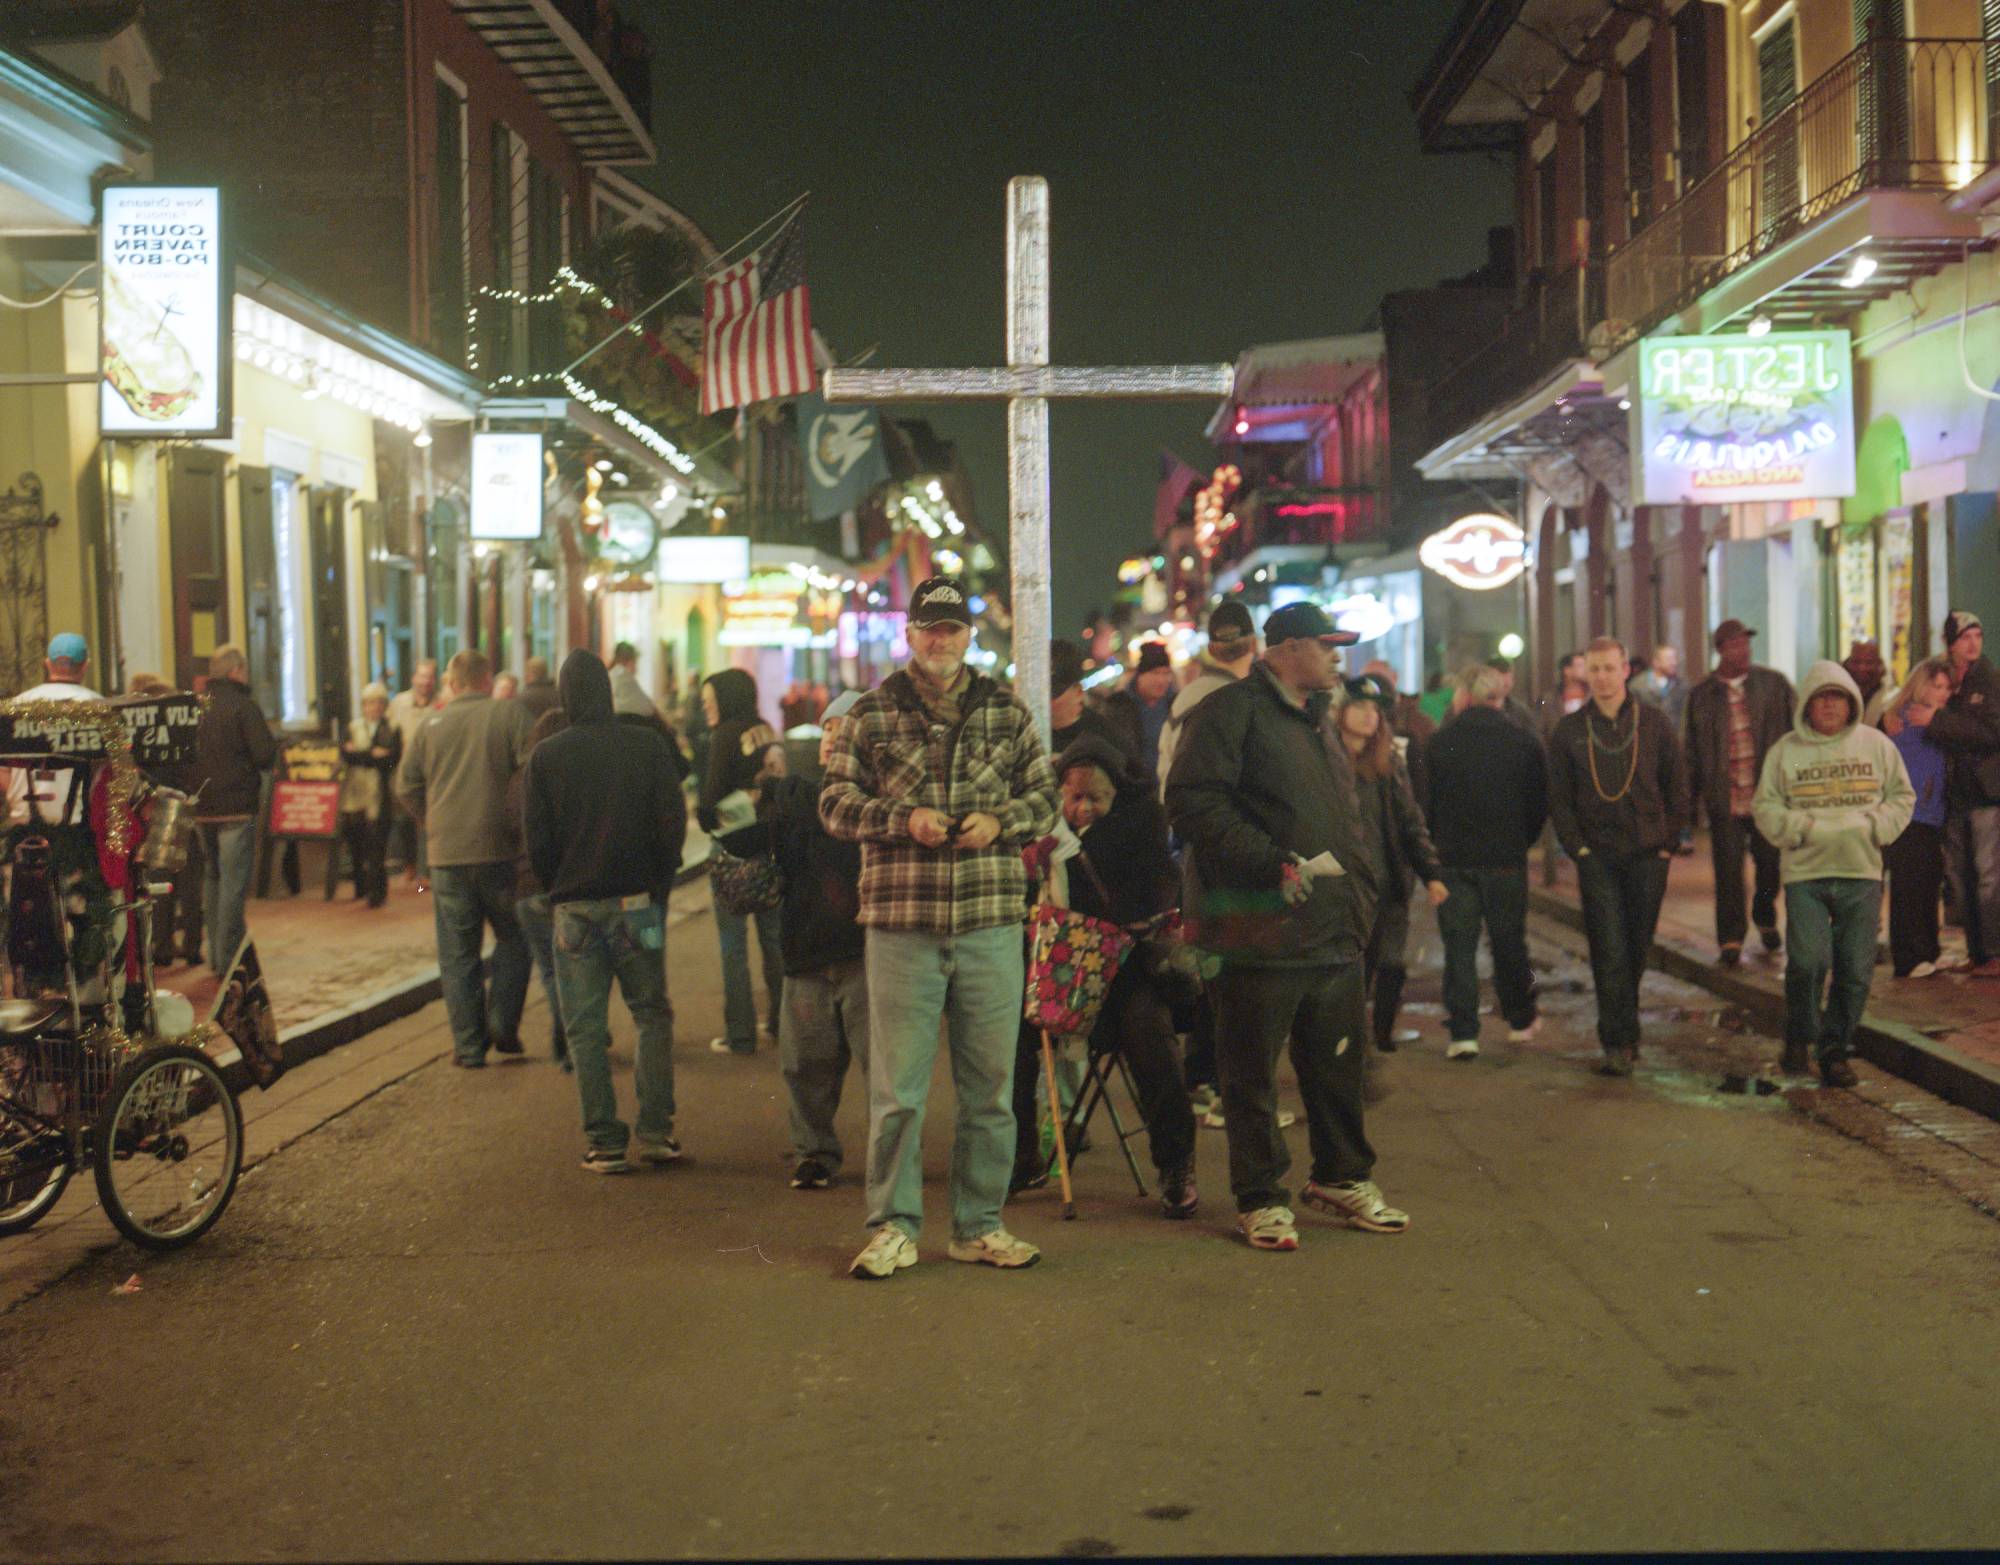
[1478, 552]
[1724, 419]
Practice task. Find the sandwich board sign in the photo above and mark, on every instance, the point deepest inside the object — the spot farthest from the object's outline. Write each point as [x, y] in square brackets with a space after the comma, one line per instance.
[163, 308]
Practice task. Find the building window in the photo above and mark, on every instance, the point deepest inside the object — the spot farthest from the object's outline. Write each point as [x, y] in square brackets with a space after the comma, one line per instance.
[450, 239]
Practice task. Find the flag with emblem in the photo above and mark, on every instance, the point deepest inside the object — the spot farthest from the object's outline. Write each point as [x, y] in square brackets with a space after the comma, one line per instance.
[756, 326]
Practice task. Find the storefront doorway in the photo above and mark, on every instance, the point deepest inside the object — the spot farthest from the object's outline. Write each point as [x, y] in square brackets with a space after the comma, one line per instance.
[328, 543]
[196, 512]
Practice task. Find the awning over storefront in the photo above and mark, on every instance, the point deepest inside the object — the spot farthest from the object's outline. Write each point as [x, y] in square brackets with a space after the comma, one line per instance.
[637, 441]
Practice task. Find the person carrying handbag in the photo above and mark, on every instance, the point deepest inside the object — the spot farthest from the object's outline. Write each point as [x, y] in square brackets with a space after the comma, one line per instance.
[737, 741]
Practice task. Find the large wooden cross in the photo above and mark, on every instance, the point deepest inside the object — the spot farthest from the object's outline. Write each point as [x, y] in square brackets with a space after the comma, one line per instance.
[1028, 383]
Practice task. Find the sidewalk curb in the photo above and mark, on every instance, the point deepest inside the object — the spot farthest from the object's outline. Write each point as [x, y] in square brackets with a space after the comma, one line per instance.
[1903, 1051]
[324, 1033]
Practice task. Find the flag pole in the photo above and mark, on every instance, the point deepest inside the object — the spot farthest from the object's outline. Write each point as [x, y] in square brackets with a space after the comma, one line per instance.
[721, 260]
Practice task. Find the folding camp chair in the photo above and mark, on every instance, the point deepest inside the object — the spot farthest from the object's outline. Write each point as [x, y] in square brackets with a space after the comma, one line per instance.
[1097, 1074]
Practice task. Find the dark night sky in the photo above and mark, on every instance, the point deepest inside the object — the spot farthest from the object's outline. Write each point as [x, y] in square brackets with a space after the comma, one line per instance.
[1221, 174]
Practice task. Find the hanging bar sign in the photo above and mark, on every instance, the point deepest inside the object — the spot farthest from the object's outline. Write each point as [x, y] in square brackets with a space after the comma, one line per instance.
[163, 291]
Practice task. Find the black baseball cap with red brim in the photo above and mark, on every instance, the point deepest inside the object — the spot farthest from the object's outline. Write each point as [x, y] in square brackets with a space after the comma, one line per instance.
[1305, 619]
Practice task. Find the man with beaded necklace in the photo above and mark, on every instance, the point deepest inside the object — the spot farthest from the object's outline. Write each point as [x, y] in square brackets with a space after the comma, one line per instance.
[1618, 798]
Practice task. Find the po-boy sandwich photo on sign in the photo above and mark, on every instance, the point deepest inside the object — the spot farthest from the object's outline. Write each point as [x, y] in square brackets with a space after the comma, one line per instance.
[163, 307]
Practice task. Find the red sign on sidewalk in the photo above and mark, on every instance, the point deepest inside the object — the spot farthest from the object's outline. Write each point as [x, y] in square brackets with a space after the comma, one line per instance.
[305, 809]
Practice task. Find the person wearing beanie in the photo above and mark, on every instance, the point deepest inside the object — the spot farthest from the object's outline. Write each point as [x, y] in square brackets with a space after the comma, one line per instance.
[1968, 730]
[1071, 716]
[1832, 795]
[372, 750]
[1140, 708]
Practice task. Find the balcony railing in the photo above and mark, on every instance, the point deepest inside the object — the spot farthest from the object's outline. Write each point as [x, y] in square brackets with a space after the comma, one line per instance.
[1546, 328]
[1896, 114]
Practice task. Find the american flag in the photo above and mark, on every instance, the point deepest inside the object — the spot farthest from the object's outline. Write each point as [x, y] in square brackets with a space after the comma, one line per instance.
[756, 333]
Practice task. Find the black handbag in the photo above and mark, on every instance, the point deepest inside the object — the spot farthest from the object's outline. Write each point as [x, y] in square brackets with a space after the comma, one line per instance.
[744, 883]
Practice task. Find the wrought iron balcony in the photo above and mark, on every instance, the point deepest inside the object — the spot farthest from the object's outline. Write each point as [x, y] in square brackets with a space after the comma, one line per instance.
[590, 70]
[1896, 114]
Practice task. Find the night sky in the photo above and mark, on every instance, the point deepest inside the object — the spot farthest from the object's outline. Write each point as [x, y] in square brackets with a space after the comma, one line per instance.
[1221, 174]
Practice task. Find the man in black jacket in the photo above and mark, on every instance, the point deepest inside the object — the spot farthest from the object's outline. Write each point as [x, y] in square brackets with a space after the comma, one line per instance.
[1968, 728]
[1733, 718]
[823, 1022]
[1281, 885]
[1489, 798]
[605, 819]
[1618, 797]
[234, 747]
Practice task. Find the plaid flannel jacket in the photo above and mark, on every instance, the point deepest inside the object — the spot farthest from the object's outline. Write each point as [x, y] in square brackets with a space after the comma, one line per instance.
[892, 758]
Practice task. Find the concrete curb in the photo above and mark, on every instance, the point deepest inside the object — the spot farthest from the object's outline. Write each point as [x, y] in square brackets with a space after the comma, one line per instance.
[1902, 1050]
[308, 1040]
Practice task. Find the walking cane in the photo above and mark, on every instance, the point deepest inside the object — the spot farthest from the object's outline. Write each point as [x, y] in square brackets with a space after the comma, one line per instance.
[1056, 1118]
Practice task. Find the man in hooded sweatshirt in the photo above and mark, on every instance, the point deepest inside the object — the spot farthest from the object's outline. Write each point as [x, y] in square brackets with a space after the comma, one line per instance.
[1832, 795]
[605, 818]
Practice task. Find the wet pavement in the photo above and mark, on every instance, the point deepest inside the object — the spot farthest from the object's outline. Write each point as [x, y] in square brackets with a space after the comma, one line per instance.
[1628, 1315]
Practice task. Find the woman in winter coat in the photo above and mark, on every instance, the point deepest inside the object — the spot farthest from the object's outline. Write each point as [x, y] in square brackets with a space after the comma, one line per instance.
[1394, 829]
[738, 739]
[1123, 873]
[372, 749]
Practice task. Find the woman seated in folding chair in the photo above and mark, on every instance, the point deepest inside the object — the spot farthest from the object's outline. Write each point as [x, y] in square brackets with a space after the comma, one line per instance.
[1123, 874]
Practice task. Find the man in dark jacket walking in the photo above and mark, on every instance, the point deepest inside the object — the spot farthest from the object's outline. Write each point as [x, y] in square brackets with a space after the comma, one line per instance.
[234, 747]
[1281, 885]
[1733, 718]
[605, 819]
[1618, 796]
[1967, 727]
[453, 779]
[1489, 799]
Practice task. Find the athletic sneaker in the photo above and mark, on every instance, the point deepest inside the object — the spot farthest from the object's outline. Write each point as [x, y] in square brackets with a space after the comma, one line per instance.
[598, 1161]
[1269, 1228]
[1923, 970]
[1461, 1049]
[886, 1254]
[811, 1174]
[996, 1247]
[665, 1150]
[1406, 1035]
[1356, 1202]
[724, 1046]
[1203, 1099]
[1524, 1034]
[1213, 1119]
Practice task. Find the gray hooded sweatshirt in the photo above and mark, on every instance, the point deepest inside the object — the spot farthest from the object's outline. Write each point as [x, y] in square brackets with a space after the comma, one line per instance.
[1832, 802]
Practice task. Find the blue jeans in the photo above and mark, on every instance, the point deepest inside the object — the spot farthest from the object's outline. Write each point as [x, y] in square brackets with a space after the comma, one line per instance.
[229, 853]
[482, 1006]
[1621, 909]
[595, 942]
[1831, 925]
[739, 1010]
[973, 983]
[538, 923]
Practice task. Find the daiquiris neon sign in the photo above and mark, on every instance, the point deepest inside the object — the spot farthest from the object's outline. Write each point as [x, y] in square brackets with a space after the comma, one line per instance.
[1735, 418]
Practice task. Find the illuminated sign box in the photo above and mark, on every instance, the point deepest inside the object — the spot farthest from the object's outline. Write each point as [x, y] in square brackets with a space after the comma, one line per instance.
[703, 561]
[163, 291]
[507, 486]
[1478, 552]
[1726, 419]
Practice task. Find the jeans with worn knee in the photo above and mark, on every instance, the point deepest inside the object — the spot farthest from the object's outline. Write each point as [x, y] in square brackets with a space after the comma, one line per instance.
[597, 941]
[739, 1009]
[1832, 934]
[973, 983]
[229, 853]
[483, 1006]
[538, 924]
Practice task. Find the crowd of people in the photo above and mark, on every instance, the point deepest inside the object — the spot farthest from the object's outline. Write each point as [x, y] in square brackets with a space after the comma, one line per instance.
[1258, 829]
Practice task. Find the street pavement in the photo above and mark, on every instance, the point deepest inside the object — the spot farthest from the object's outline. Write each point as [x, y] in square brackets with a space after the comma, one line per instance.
[1627, 1315]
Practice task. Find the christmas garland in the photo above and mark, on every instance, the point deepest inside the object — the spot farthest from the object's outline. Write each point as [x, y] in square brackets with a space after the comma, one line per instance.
[108, 724]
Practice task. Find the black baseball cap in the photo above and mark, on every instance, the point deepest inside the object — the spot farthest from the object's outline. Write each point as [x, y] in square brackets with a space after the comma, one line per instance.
[1305, 619]
[1230, 622]
[939, 601]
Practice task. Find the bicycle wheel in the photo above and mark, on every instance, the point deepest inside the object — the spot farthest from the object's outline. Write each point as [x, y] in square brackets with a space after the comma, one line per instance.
[34, 1170]
[169, 1147]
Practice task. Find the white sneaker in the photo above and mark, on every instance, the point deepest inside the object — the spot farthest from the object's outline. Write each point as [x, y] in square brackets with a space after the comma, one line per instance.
[1524, 1034]
[1461, 1048]
[886, 1254]
[1406, 1035]
[724, 1046]
[665, 1150]
[1358, 1203]
[1269, 1228]
[1213, 1119]
[1923, 970]
[996, 1248]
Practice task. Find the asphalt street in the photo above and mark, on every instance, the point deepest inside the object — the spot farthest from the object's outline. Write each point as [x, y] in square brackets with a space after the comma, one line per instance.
[1627, 1315]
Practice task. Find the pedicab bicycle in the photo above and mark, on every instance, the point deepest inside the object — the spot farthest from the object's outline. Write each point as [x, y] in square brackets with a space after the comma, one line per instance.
[88, 1073]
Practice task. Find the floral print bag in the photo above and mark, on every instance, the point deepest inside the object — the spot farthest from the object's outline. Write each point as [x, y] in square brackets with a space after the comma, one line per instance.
[1073, 962]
